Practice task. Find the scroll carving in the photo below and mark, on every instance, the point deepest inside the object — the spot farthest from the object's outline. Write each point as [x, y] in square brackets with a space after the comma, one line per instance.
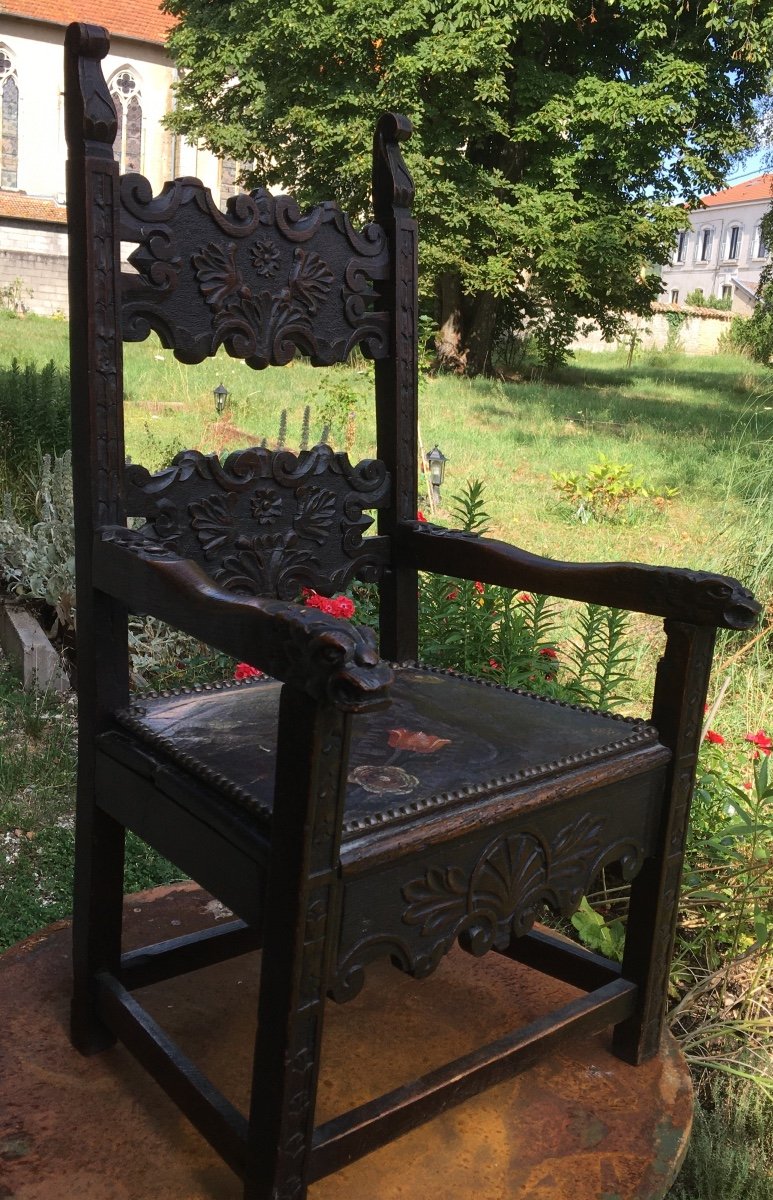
[261, 279]
[264, 523]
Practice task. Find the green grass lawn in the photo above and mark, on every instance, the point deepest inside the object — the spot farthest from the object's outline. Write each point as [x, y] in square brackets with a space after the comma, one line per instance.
[703, 426]
[698, 425]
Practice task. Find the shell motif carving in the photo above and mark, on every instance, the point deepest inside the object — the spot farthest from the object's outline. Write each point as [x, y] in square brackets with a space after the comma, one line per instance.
[511, 880]
[486, 902]
[264, 523]
[261, 279]
[213, 520]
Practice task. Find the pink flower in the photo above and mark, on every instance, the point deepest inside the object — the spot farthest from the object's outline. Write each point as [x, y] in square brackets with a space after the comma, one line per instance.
[716, 738]
[761, 740]
[479, 587]
[524, 597]
[245, 671]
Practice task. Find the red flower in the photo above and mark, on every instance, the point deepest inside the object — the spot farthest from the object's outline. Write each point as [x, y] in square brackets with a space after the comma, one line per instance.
[336, 606]
[495, 666]
[716, 738]
[524, 597]
[548, 652]
[416, 740]
[245, 671]
[323, 603]
[761, 740]
[420, 516]
[343, 607]
[479, 587]
[452, 594]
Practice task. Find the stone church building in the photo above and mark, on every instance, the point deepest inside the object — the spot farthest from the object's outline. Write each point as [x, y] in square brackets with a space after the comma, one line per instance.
[33, 216]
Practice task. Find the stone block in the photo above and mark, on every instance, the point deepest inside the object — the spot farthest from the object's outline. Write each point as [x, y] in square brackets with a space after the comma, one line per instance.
[28, 650]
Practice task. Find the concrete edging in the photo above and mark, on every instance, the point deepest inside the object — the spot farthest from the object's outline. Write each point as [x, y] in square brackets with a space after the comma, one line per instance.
[28, 650]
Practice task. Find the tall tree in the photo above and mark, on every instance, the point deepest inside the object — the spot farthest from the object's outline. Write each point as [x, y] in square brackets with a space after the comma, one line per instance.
[551, 136]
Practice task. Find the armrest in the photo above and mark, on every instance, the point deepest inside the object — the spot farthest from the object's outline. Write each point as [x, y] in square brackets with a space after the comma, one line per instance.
[697, 597]
[316, 653]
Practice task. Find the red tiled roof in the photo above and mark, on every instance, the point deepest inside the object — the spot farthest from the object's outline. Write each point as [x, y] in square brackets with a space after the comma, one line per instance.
[140, 19]
[21, 207]
[760, 188]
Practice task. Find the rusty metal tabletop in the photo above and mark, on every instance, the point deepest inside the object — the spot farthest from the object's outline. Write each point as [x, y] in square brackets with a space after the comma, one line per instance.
[578, 1125]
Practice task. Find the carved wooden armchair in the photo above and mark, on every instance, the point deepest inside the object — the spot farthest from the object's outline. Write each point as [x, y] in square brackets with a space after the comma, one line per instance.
[345, 809]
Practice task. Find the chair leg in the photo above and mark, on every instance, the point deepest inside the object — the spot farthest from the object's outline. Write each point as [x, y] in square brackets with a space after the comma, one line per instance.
[97, 915]
[284, 1094]
[301, 917]
[680, 693]
[649, 932]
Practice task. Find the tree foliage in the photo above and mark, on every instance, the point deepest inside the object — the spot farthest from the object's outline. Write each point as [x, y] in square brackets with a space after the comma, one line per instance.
[551, 136]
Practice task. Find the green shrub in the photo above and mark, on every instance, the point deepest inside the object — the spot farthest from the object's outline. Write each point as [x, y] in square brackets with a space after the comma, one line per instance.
[605, 490]
[697, 298]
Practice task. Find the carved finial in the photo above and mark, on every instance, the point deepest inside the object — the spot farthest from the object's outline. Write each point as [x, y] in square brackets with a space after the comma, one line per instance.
[392, 182]
[89, 111]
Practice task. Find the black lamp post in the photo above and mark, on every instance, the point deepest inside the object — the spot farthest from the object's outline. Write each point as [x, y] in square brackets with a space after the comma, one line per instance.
[436, 460]
[221, 395]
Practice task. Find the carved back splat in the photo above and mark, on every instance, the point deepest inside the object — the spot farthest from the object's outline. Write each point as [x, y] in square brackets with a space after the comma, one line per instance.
[261, 279]
[264, 522]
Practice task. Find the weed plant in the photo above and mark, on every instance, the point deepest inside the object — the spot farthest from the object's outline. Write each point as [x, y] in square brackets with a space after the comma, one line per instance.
[34, 420]
[730, 1156]
[37, 783]
[723, 970]
[748, 545]
[512, 637]
[606, 491]
[37, 554]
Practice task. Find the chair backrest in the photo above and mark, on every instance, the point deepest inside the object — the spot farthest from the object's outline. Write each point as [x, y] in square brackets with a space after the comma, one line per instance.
[266, 282]
[261, 279]
[266, 523]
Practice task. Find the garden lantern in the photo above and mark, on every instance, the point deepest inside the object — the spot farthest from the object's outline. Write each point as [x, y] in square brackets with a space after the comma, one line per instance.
[221, 395]
[436, 461]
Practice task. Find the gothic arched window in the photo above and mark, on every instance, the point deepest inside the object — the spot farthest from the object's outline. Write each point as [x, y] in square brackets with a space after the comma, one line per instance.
[125, 91]
[229, 169]
[9, 121]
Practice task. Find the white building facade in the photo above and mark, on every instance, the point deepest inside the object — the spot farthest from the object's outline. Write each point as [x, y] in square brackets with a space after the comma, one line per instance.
[723, 251]
[140, 75]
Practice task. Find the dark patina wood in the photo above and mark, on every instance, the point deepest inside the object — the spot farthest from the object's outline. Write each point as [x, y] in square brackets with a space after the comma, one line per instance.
[352, 807]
